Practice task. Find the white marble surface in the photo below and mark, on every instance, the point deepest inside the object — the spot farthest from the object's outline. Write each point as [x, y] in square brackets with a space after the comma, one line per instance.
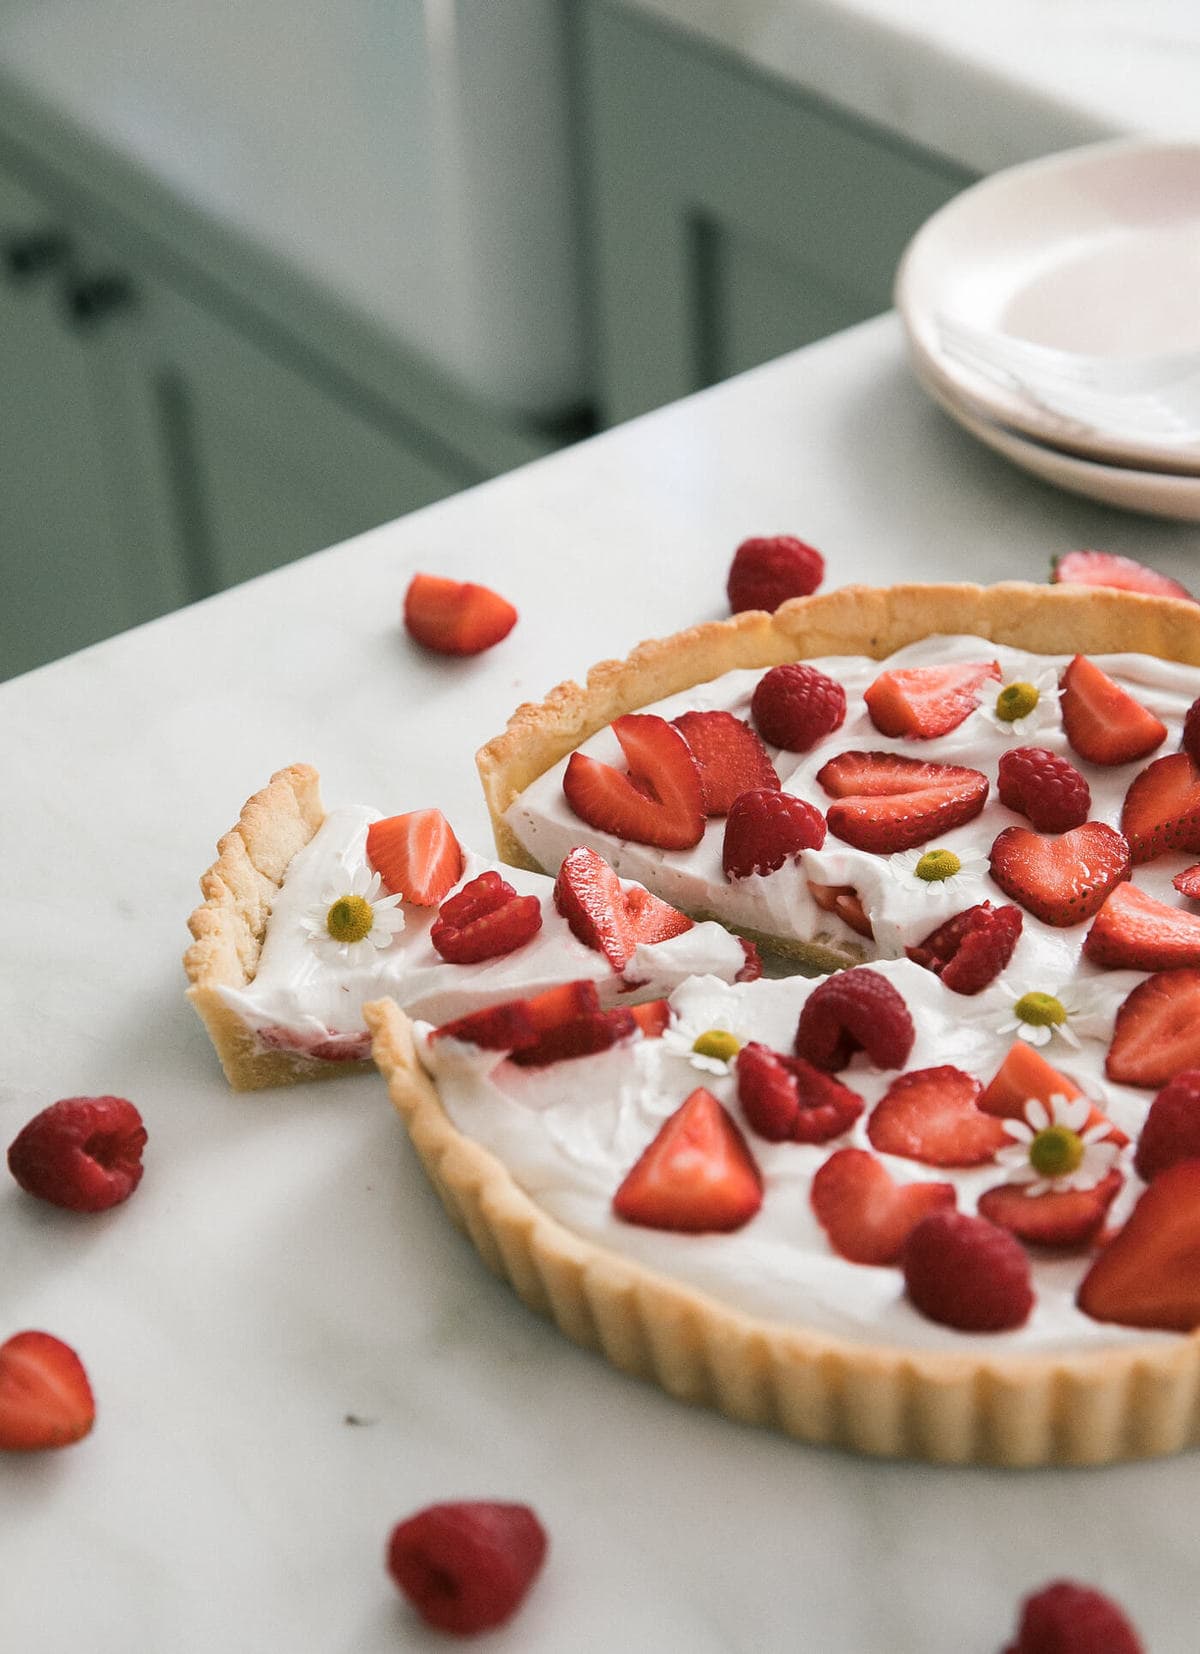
[284, 1264]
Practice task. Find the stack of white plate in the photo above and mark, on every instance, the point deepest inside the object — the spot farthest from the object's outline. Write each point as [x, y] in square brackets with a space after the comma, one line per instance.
[1053, 310]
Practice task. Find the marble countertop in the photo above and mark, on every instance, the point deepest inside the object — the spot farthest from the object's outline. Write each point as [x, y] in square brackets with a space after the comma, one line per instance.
[290, 1345]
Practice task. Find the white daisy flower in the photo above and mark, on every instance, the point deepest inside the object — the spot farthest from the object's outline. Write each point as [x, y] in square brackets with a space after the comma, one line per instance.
[712, 1048]
[927, 871]
[1025, 706]
[1040, 1017]
[353, 921]
[1052, 1151]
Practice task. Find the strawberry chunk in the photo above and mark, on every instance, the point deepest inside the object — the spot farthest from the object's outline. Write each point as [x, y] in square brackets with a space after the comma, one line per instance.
[467, 1567]
[1066, 1618]
[485, 920]
[967, 1273]
[1132, 931]
[844, 900]
[1157, 1030]
[45, 1397]
[885, 802]
[1025, 1076]
[1171, 1130]
[795, 705]
[606, 916]
[455, 617]
[787, 1099]
[577, 1036]
[730, 755]
[697, 1175]
[765, 829]
[1102, 721]
[971, 949]
[1060, 880]
[659, 802]
[1059, 1218]
[1147, 1276]
[923, 702]
[505, 1027]
[769, 569]
[652, 1017]
[416, 855]
[1188, 882]
[1162, 808]
[1106, 568]
[932, 1115]
[1045, 788]
[866, 1214]
[83, 1153]
[752, 967]
[854, 1010]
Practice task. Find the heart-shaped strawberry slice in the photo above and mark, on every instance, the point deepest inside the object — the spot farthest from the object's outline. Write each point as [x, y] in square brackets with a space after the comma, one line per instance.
[866, 1214]
[1060, 880]
[1147, 1275]
[608, 916]
[660, 801]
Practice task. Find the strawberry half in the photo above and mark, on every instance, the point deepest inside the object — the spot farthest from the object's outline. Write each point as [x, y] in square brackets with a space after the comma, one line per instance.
[886, 802]
[697, 1176]
[1157, 1031]
[972, 948]
[932, 1115]
[923, 702]
[1059, 1218]
[455, 617]
[1162, 808]
[45, 1397]
[730, 755]
[787, 1099]
[1132, 931]
[866, 1214]
[485, 920]
[1102, 721]
[577, 1036]
[1063, 880]
[1147, 1275]
[660, 801]
[1123, 574]
[416, 855]
[1024, 1076]
[653, 1017]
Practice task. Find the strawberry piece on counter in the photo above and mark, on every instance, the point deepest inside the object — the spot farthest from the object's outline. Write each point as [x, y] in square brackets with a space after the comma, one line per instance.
[730, 756]
[485, 920]
[1063, 880]
[1157, 1030]
[932, 1115]
[1123, 574]
[455, 617]
[1045, 788]
[416, 855]
[794, 705]
[1147, 1276]
[467, 1566]
[659, 802]
[965, 1272]
[1057, 1218]
[83, 1153]
[766, 571]
[854, 1010]
[865, 1213]
[923, 702]
[1161, 811]
[606, 916]
[764, 829]
[1133, 931]
[1066, 1618]
[885, 802]
[697, 1175]
[844, 900]
[1171, 1130]
[45, 1397]
[971, 949]
[1102, 721]
[786, 1099]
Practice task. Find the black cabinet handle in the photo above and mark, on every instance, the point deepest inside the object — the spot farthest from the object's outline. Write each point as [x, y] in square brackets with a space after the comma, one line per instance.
[33, 253]
[90, 300]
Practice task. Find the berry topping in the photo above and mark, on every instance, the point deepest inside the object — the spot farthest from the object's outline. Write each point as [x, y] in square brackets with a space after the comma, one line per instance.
[1191, 732]
[765, 829]
[1016, 700]
[660, 801]
[454, 617]
[1162, 808]
[971, 949]
[45, 1397]
[886, 802]
[1157, 1031]
[1060, 880]
[1146, 1276]
[1132, 931]
[697, 1175]
[794, 705]
[786, 1098]
[922, 702]
[505, 1027]
[752, 969]
[1106, 568]
[485, 920]
[931, 1115]
[967, 1273]
[1045, 788]
[1188, 882]
[467, 1567]
[854, 1010]
[731, 757]
[1055, 1218]
[1066, 1618]
[416, 855]
[768, 570]
[576, 1036]
[1171, 1131]
[1102, 721]
[653, 1017]
[606, 916]
[1024, 1077]
[845, 901]
[866, 1214]
[84, 1153]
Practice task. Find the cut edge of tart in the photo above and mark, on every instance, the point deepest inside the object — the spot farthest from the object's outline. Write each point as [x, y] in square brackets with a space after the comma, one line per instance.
[950, 1407]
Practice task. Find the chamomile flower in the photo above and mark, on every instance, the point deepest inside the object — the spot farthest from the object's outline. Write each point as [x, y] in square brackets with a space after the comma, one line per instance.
[712, 1048]
[1040, 1017]
[354, 920]
[931, 870]
[1053, 1148]
[1024, 706]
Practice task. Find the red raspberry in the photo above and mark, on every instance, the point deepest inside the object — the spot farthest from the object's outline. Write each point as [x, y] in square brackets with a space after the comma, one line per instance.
[787, 1099]
[766, 572]
[1045, 788]
[1191, 732]
[1171, 1130]
[467, 1567]
[967, 1273]
[971, 949]
[764, 828]
[854, 1010]
[485, 920]
[1066, 1618]
[795, 705]
[84, 1153]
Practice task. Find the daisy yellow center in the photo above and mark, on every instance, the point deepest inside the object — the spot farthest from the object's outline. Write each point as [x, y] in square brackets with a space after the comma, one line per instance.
[715, 1042]
[938, 864]
[350, 919]
[1016, 700]
[1041, 1010]
[1056, 1152]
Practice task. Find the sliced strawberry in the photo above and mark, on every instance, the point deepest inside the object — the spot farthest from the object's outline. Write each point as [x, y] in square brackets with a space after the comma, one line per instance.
[932, 1115]
[1102, 721]
[1147, 1275]
[505, 1027]
[697, 1175]
[455, 617]
[1060, 1217]
[765, 829]
[659, 802]
[1060, 880]
[1024, 1076]
[866, 1214]
[845, 901]
[854, 1010]
[1171, 1130]
[972, 948]
[752, 966]
[731, 757]
[1134, 932]
[886, 802]
[1162, 808]
[652, 1017]
[45, 1397]
[605, 915]
[416, 855]
[1157, 1032]
[577, 1036]
[787, 1099]
[485, 920]
[922, 702]
[1106, 568]
[1188, 882]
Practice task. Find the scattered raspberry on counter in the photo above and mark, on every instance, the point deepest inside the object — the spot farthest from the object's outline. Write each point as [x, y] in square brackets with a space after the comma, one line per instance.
[766, 571]
[1067, 1618]
[84, 1153]
[467, 1566]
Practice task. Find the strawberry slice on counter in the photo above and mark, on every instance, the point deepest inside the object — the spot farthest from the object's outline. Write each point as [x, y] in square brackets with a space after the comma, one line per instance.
[606, 916]
[923, 702]
[1123, 574]
[659, 802]
[971, 949]
[1188, 882]
[865, 1213]
[45, 1397]
[1147, 1276]
[1024, 1076]
[697, 1176]
[416, 855]
[787, 1099]
[844, 900]
[484, 920]
[1058, 1218]
[932, 1115]
[1133, 931]
[456, 617]
[1162, 808]
[765, 829]
[1157, 1030]
[885, 802]
[1102, 721]
[731, 757]
[1063, 880]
